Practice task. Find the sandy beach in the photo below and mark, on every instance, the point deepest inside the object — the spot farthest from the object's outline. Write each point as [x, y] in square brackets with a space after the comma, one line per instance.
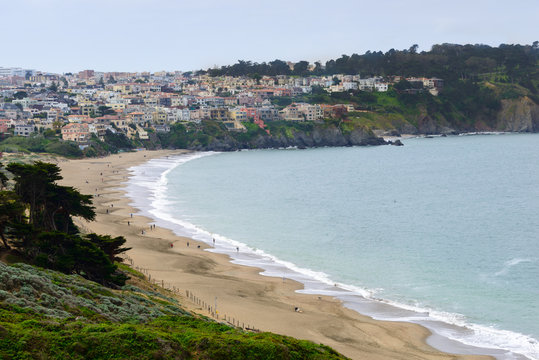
[241, 295]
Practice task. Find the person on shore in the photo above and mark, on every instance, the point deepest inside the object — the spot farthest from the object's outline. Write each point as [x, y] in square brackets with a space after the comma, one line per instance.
[237, 249]
[128, 223]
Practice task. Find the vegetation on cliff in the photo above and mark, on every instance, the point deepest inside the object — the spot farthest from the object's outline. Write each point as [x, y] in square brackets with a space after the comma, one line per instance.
[47, 314]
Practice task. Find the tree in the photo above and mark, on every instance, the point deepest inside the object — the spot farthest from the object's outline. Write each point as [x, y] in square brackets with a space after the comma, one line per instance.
[11, 212]
[73, 254]
[53, 87]
[301, 68]
[256, 77]
[105, 110]
[63, 203]
[48, 202]
[112, 247]
[20, 95]
[3, 178]
[31, 183]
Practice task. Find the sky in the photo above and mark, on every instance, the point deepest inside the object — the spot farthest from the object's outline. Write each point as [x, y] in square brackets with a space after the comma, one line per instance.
[152, 35]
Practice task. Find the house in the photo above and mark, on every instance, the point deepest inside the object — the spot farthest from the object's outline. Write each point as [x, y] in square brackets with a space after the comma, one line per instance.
[76, 132]
[5, 125]
[137, 131]
[234, 125]
[137, 117]
[238, 114]
[24, 129]
[381, 87]
[98, 129]
[79, 119]
[267, 113]
[291, 113]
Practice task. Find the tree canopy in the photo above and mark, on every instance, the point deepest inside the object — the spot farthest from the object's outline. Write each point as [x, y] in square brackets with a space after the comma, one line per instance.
[47, 236]
[447, 61]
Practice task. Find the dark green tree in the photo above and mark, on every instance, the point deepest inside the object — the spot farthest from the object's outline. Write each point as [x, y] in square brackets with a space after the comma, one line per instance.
[20, 95]
[11, 213]
[36, 185]
[72, 254]
[301, 68]
[32, 182]
[111, 246]
[105, 110]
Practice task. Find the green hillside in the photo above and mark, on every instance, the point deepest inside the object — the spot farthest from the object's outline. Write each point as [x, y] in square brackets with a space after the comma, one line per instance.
[45, 314]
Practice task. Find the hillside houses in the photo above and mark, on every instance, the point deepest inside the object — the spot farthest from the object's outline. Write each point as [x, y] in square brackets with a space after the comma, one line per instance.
[92, 102]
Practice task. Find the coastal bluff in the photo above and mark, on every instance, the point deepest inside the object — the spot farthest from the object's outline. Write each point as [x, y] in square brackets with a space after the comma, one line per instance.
[319, 136]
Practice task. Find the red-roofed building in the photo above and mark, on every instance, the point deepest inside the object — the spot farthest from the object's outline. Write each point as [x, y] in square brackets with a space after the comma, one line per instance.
[76, 132]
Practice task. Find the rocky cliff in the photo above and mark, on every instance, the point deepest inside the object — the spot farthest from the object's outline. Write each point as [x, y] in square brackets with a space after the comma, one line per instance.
[515, 115]
[518, 115]
[318, 137]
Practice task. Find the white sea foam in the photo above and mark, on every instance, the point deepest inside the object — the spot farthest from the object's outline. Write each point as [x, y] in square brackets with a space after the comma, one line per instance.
[148, 190]
[511, 263]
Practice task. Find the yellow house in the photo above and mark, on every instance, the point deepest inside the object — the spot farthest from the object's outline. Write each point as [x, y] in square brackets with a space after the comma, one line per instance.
[122, 88]
[159, 117]
[87, 109]
[140, 132]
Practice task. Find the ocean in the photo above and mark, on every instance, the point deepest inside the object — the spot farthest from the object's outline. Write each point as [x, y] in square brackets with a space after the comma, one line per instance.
[443, 231]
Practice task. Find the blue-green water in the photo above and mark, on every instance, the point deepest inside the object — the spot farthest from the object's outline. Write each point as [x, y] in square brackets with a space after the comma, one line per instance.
[444, 229]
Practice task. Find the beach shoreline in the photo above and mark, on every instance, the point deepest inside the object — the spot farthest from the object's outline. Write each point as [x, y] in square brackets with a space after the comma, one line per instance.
[238, 293]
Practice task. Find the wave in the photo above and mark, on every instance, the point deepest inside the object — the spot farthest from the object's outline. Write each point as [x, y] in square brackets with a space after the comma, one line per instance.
[147, 189]
[511, 263]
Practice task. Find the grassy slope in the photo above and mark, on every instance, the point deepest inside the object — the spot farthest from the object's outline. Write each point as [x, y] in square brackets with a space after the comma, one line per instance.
[49, 315]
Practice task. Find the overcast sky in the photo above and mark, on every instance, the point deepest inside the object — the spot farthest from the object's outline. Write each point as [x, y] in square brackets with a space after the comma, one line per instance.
[152, 35]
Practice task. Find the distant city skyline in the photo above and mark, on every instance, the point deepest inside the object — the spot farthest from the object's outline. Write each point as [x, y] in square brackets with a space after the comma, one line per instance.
[142, 35]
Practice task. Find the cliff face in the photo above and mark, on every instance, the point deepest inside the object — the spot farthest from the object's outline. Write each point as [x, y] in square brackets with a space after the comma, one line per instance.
[515, 115]
[318, 137]
[518, 115]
